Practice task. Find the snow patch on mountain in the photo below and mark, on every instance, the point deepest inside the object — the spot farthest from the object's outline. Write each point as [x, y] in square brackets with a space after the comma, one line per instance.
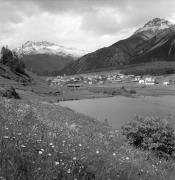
[155, 25]
[45, 47]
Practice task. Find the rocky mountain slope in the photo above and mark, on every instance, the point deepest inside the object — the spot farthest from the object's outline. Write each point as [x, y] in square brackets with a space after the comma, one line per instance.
[155, 41]
[154, 26]
[45, 58]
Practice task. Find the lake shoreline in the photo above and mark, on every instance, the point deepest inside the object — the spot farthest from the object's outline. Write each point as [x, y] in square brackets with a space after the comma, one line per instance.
[106, 92]
[121, 109]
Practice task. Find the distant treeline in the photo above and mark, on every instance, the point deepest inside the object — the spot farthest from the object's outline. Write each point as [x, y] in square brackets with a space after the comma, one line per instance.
[155, 68]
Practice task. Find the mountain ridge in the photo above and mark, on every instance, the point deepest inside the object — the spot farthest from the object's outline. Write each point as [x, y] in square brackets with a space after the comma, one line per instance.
[44, 47]
[46, 58]
[143, 46]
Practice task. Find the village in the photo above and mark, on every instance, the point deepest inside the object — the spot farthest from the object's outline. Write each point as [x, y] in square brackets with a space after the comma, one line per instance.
[85, 80]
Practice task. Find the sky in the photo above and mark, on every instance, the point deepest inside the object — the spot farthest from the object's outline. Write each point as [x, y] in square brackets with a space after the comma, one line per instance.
[82, 24]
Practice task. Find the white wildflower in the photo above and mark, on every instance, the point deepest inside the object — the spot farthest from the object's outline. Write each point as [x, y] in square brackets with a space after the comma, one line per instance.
[6, 137]
[127, 158]
[57, 163]
[40, 152]
[97, 152]
[114, 154]
[68, 171]
[74, 158]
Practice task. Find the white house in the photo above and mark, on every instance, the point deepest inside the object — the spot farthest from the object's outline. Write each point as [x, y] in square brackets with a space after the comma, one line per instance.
[147, 81]
[141, 81]
[166, 83]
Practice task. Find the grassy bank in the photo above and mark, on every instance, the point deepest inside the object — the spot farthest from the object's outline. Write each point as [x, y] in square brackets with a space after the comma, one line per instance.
[44, 141]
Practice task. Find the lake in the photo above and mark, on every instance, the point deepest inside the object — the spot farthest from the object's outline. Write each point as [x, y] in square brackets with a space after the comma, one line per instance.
[119, 110]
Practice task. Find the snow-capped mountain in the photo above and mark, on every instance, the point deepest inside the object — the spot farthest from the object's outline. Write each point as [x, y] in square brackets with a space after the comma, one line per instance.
[44, 47]
[155, 25]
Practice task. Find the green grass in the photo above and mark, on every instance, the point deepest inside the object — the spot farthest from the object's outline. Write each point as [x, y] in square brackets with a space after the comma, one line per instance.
[42, 141]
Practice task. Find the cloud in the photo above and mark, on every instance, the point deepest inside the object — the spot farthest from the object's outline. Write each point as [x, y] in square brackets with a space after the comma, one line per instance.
[102, 21]
[86, 24]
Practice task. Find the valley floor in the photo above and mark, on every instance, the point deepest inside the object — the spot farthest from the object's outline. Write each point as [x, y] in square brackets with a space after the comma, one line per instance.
[108, 90]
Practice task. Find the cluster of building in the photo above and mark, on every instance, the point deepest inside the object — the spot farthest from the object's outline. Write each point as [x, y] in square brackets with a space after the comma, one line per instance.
[91, 79]
[153, 81]
[148, 81]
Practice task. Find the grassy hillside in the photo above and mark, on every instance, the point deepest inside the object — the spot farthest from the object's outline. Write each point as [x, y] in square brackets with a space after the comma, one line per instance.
[43, 141]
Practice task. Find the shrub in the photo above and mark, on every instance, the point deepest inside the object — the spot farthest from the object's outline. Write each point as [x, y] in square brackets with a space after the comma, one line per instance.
[152, 134]
[9, 92]
[132, 91]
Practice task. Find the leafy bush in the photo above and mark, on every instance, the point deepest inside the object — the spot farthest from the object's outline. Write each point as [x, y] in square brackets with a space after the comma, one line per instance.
[9, 92]
[152, 134]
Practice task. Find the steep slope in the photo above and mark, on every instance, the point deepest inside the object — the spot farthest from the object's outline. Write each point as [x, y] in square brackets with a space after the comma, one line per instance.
[45, 58]
[153, 42]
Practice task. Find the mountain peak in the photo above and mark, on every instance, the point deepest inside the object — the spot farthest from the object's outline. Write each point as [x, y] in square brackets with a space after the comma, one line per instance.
[44, 47]
[155, 25]
[158, 22]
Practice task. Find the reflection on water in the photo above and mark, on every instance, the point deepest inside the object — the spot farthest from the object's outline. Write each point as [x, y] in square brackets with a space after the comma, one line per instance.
[119, 109]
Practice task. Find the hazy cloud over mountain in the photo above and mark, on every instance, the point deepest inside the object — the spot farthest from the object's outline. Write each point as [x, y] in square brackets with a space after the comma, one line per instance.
[85, 24]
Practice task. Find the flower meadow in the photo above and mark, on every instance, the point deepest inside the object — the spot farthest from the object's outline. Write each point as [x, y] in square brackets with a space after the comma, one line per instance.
[42, 141]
